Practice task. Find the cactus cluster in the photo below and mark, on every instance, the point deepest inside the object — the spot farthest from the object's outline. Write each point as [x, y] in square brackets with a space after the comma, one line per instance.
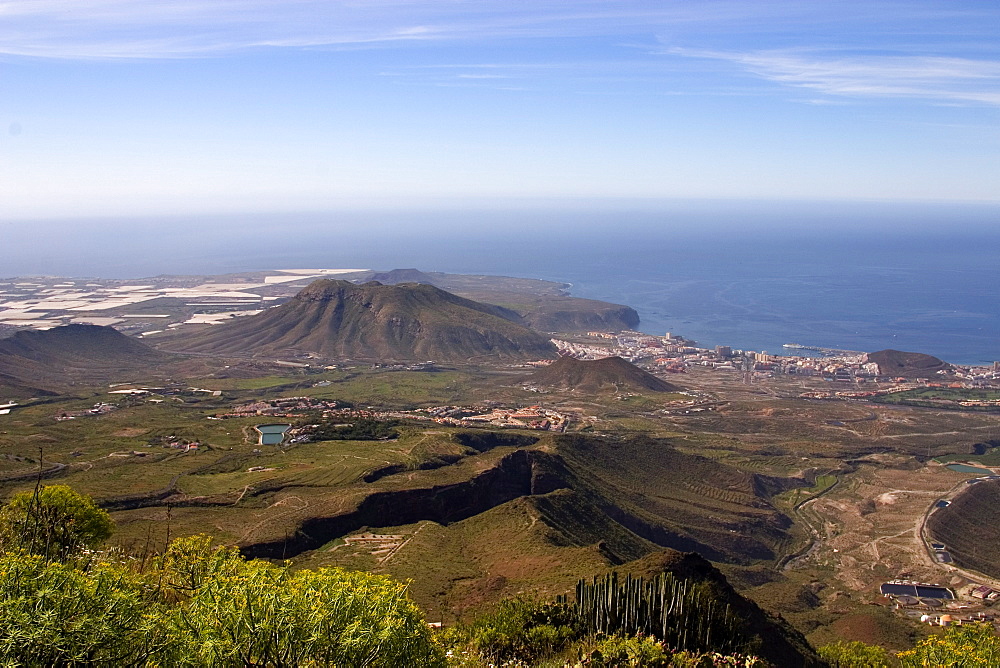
[677, 611]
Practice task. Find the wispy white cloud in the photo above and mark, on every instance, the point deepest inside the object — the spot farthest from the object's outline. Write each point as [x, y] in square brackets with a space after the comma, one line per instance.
[185, 28]
[122, 29]
[181, 28]
[933, 78]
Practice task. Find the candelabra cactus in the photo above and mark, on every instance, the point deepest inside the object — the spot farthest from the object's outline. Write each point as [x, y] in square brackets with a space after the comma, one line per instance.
[679, 612]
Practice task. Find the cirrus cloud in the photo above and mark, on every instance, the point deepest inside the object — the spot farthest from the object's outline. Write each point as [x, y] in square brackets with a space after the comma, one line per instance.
[941, 79]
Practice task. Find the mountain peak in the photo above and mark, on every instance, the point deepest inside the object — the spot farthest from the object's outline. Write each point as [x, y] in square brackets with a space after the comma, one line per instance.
[409, 321]
[52, 358]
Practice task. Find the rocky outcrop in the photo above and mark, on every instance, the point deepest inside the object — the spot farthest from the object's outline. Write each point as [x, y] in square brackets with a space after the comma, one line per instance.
[907, 365]
[596, 375]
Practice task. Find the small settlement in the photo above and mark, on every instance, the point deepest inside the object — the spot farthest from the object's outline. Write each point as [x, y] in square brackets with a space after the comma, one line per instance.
[940, 606]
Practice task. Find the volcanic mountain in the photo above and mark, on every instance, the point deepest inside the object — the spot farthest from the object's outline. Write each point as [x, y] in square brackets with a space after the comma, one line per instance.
[58, 356]
[596, 375]
[409, 321]
[907, 365]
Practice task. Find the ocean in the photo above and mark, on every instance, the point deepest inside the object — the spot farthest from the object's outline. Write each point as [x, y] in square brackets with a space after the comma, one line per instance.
[751, 275]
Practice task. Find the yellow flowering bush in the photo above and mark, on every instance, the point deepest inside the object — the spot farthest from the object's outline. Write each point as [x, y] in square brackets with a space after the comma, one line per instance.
[965, 646]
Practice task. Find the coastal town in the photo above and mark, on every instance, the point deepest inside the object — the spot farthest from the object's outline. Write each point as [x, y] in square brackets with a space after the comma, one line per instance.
[852, 373]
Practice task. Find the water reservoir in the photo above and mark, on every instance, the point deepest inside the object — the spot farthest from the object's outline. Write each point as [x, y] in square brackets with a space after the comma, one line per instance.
[272, 434]
[962, 468]
[916, 590]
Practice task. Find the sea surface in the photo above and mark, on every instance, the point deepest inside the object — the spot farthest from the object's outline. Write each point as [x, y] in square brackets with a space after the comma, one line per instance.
[751, 275]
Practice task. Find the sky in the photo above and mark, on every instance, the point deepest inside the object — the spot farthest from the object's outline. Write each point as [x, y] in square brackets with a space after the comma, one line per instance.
[151, 107]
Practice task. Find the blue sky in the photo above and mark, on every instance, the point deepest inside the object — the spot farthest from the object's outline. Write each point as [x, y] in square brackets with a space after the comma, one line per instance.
[111, 107]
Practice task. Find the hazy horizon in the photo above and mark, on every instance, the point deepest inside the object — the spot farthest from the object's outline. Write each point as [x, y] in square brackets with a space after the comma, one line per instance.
[459, 238]
[850, 277]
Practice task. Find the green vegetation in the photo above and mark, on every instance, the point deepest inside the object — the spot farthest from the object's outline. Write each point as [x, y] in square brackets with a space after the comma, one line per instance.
[989, 458]
[238, 612]
[941, 397]
[800, 494]
[55, 614]
[54, 522]
[199, 605]
[275, 383]
[644, 652]
[856, 655]
[203, 606]
[964, 646]
[359, 429]
[527, 632]
[959, 647]
[520, 629]
[613, 651]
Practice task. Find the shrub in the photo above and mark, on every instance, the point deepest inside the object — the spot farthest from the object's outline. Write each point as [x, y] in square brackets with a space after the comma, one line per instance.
[202, 606]
[615, 651]
[959, 647]
[52, 614]
[715, 660]
[54, 522]
[855, 655]
[238, 612]
[524, 629]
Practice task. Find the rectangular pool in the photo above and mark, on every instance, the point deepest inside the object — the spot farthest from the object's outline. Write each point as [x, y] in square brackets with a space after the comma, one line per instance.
[920, 591]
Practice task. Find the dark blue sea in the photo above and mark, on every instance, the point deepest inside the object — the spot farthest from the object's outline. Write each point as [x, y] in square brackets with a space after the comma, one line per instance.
[752, 275]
